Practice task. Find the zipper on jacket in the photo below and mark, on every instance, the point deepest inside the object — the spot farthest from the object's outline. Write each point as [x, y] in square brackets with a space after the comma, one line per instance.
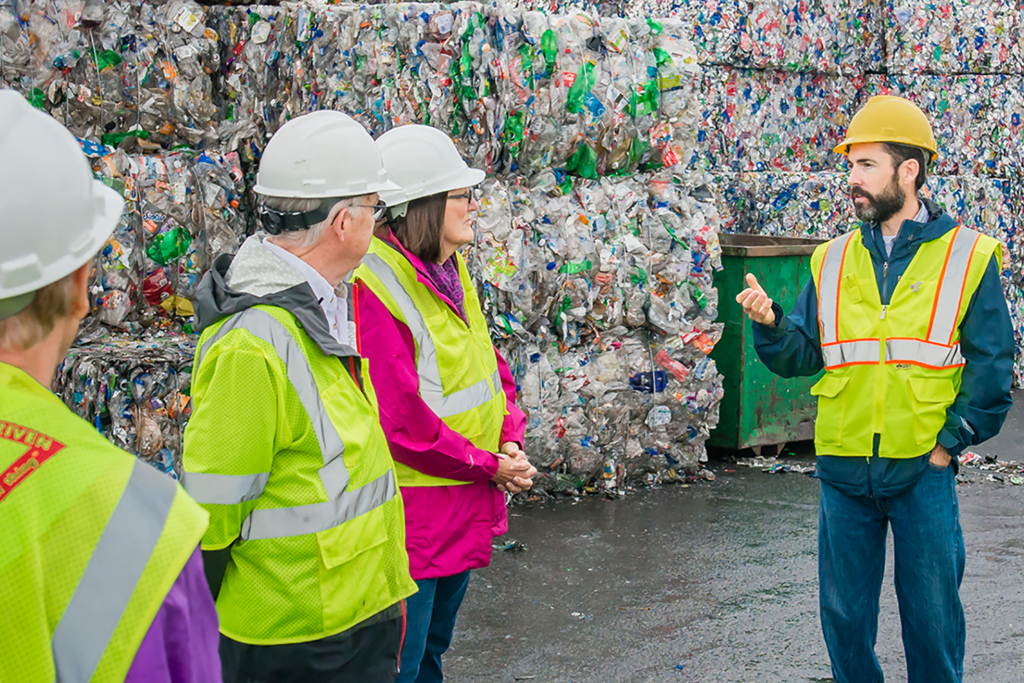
[356, 374]
[354, 290]
[885, 287]
[871, 493]
[876, 442]
[885, 284]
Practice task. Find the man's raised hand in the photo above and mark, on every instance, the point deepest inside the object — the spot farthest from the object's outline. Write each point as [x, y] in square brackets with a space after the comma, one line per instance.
[756, 304]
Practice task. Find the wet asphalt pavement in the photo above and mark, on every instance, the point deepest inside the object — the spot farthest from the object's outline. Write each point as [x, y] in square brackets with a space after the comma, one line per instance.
[718, 578]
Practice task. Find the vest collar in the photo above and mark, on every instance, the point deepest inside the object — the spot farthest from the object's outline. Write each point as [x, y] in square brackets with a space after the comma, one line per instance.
[417, 265]
[911, 232]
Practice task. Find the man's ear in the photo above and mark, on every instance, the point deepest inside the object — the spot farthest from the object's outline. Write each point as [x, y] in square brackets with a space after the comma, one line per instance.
[80, 291]
[909, 170]
[340, 223]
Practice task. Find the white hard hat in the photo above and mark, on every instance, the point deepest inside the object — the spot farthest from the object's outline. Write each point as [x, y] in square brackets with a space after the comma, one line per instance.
[54, 216]
[423, 161]
[321, 155]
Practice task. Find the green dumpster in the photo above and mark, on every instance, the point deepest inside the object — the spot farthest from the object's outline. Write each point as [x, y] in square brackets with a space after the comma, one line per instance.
[760, 408]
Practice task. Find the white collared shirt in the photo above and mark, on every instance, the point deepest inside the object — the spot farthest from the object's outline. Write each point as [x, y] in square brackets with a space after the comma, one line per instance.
[332, 301]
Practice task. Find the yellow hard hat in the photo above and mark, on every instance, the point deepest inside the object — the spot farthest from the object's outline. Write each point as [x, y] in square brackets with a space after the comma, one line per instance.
[887, 118]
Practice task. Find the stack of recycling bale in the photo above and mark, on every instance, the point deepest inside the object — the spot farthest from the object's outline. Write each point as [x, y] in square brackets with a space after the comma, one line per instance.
[595, 245]
[136, 393]
[135, 83]
[110, 69]
[598, 238]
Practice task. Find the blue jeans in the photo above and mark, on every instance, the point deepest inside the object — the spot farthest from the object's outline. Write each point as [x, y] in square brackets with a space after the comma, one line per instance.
[430, 623]
[929, 558]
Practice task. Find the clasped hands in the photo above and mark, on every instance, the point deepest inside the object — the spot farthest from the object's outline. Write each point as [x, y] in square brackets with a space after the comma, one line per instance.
[515, 473]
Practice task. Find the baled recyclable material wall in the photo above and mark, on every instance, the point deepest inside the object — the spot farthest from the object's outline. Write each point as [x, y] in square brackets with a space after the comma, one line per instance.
[619, 139]
[598, 234]
[596, 238]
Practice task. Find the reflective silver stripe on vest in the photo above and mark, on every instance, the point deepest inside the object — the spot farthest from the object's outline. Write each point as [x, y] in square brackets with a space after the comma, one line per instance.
[471, 397]
[431, 390]
[951, 288]
[828, 288]
[846, 353]
[921, 352]
[224, 489]
[264, 326]
[112, 574]
[309, 519]
[342, 504]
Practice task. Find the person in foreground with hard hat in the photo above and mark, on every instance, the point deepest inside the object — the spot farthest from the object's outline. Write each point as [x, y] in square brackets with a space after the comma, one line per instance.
[306, 543]
[100, 572]
[908, 319]
[447, 397]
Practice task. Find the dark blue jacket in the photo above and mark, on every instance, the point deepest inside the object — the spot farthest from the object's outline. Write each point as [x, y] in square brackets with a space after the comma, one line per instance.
[792, 348]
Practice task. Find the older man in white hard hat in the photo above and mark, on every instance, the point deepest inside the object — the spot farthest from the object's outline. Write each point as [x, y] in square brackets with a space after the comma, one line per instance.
[284, 447]
[101, 578]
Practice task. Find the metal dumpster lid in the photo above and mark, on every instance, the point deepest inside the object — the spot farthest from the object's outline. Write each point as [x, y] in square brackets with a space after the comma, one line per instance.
[766, 245]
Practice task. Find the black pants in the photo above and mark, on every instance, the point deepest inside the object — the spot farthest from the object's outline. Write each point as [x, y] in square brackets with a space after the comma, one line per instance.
[365, 654]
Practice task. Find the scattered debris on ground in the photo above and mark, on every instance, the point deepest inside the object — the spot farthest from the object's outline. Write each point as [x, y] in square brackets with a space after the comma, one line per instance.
[989, 468]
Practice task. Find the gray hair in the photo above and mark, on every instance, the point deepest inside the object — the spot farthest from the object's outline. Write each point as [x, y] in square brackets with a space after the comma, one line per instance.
[303, 239]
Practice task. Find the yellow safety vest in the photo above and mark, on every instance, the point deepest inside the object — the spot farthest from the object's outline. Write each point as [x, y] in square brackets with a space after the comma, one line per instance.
[455, 362]
[321, 533]
[892, 370]
[93, 539]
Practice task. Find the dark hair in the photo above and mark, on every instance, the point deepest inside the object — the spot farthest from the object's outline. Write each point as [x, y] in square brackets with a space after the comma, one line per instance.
[901, 153]
[419, 230]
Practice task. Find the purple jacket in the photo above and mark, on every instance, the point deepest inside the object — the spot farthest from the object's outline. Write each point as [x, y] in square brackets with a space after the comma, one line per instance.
[181, 643]
[448, 528]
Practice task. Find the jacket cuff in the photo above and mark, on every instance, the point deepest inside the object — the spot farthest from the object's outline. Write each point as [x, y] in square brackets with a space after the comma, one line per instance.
[951, 443]
[775, 331]
[957, 434]
[517, 442]
[486, 461]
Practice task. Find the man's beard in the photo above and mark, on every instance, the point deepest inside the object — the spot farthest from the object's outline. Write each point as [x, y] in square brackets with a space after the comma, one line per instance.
[881, 208]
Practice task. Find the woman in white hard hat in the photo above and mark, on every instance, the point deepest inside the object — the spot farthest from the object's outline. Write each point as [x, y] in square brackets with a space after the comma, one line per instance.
[446, 396]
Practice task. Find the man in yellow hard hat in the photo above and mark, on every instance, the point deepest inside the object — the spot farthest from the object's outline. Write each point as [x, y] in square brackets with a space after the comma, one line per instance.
[908, 319]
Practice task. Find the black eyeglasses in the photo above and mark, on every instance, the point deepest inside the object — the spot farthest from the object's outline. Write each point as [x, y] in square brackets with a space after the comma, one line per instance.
[469, 195]
[378, 209]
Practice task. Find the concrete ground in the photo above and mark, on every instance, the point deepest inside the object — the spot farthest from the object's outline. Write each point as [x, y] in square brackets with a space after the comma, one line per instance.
[716, 583]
